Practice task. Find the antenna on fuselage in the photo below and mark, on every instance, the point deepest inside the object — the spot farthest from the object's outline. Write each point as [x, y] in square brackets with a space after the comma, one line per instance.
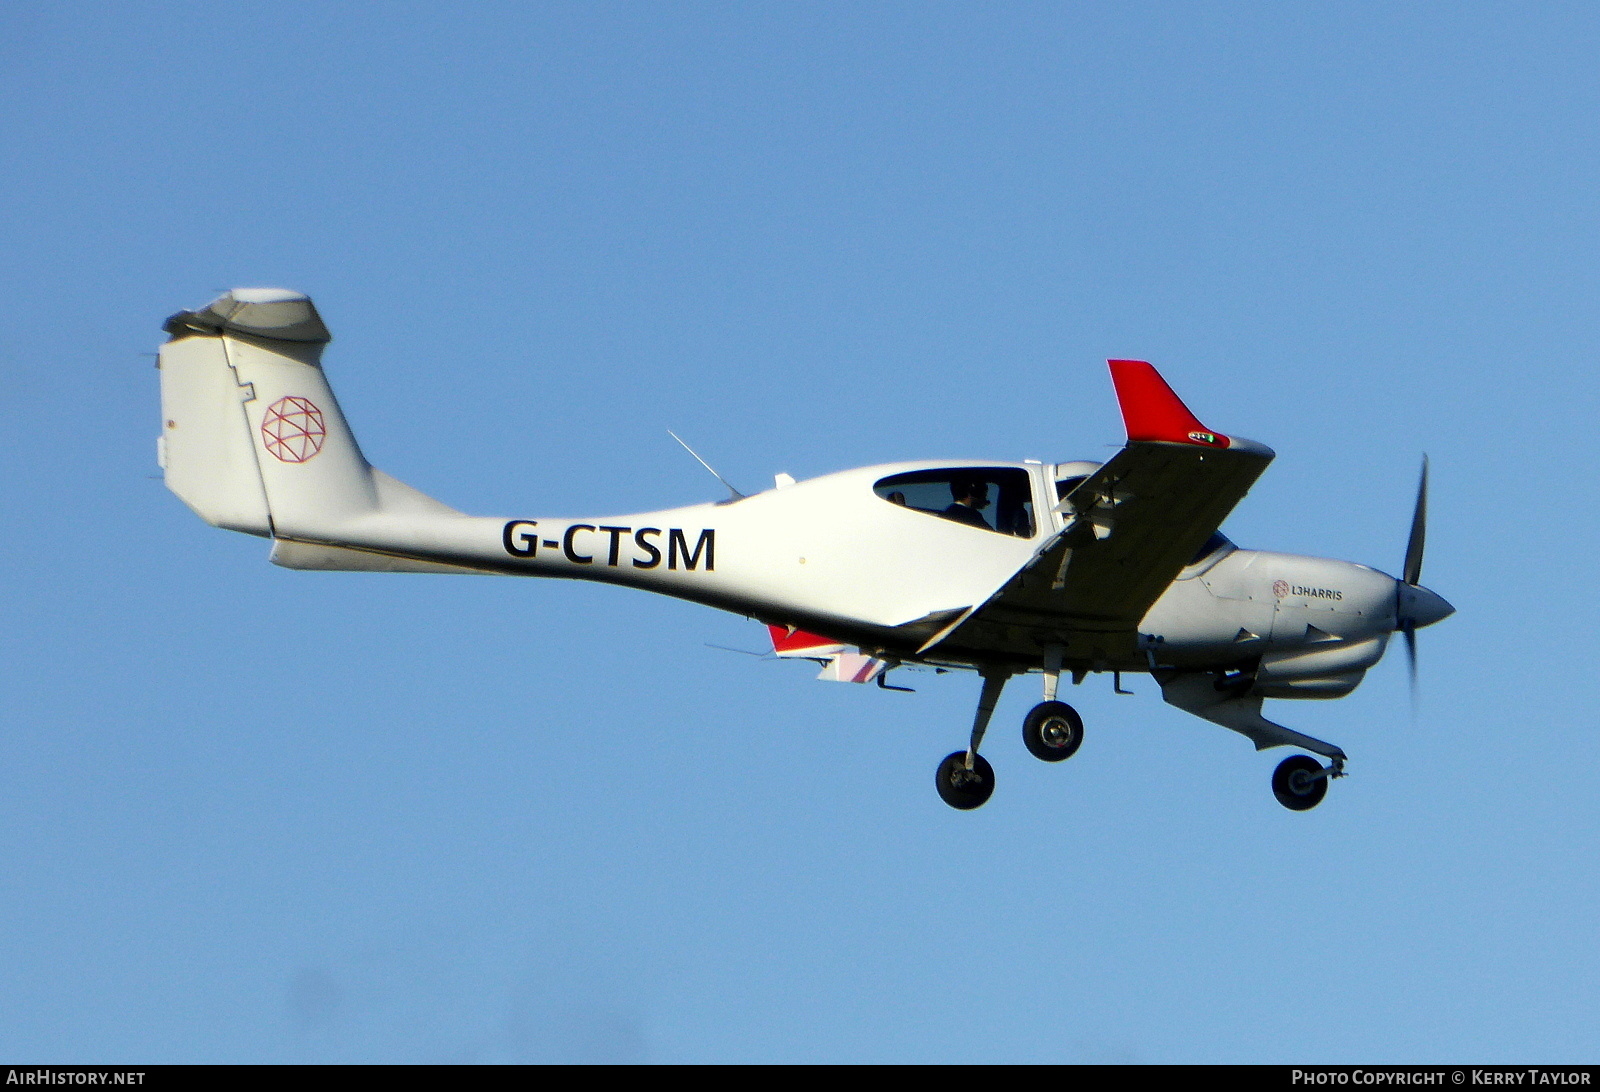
[736, 494]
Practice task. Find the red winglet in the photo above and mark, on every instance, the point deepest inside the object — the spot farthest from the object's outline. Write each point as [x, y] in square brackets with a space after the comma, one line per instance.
[1152, 412]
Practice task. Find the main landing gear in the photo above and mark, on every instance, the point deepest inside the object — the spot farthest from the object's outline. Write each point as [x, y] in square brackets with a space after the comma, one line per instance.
[1052, 731]
[965, 780]
[964, 787]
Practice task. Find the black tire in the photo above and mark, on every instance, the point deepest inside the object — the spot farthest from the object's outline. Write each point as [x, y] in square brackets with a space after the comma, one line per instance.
[1053, 731]
[1295, 786]
[965, 789]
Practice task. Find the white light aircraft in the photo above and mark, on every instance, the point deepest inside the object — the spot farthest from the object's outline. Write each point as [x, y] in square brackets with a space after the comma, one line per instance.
[1002, 568]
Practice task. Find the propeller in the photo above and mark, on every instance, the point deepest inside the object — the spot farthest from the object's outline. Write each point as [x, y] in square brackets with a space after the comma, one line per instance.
[1414, 605]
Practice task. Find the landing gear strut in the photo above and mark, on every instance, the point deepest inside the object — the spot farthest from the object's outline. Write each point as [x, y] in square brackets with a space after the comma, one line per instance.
[1053, 729]
[1300, 781]
[965, 779]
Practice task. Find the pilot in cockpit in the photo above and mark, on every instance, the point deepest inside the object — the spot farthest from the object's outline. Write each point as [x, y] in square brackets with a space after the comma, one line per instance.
[971, 496]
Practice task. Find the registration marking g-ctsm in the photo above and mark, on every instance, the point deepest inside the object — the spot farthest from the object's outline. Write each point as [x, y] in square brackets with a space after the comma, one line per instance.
[521, 540]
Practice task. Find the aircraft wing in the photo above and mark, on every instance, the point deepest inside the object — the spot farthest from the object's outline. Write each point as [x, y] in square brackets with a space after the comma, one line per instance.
[1131, 528]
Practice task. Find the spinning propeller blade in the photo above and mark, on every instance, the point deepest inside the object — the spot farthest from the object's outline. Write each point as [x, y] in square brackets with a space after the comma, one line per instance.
[1411, 662]
[1414, 605]
[1419, 530]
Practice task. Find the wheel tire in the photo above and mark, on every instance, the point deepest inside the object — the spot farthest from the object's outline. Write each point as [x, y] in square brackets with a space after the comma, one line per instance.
[1293, 786]
[1053, 731]
[965, 789]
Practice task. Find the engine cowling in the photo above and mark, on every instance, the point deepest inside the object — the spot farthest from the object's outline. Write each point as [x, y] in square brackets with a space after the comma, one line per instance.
[1317, 671]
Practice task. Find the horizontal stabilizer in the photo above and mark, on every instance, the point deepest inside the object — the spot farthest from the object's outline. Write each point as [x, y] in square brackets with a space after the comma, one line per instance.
[278, 314]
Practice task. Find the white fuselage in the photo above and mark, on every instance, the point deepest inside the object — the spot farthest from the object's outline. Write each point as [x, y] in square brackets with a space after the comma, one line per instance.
[832, 556]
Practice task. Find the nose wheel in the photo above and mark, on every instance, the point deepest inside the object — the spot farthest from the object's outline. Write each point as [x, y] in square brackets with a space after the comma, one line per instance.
[1052, 731]
[1300, 782]
[963, 788]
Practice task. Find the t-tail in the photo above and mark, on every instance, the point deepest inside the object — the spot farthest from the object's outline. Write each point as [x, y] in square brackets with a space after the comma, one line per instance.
[253, 439]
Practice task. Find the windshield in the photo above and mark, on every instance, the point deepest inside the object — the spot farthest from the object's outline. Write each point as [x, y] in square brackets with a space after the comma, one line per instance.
[1216, 542]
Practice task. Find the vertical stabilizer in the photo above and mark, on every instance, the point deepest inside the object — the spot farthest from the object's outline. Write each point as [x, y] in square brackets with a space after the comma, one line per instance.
[252, 438]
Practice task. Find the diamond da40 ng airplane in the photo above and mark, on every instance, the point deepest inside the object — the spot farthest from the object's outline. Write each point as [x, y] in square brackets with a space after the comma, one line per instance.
[998, 567]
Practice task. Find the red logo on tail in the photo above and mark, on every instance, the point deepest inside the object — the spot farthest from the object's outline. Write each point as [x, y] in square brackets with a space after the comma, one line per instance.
[293, 429]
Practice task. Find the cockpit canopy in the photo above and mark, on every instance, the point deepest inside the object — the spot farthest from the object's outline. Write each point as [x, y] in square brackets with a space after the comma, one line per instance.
[993, 498]
[998, 499]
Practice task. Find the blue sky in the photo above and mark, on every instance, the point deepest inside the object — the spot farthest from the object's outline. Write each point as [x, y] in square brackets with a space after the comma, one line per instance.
[255, 815]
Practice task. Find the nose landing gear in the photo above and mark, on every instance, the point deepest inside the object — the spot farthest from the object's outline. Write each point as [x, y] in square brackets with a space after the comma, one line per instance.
[1300, 781]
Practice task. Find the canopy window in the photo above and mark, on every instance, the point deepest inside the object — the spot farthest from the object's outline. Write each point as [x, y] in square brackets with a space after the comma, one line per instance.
[991, 498]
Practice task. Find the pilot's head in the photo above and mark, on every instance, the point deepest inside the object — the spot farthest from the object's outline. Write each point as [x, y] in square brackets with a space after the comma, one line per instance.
[973, 492]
